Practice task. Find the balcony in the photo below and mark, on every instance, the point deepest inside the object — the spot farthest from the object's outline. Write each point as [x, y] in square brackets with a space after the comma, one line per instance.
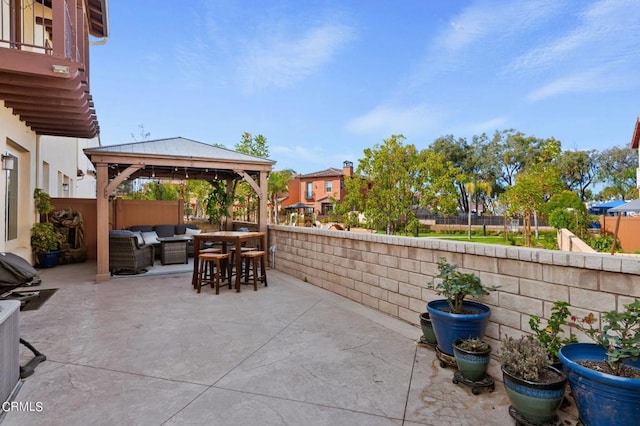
[44, 63]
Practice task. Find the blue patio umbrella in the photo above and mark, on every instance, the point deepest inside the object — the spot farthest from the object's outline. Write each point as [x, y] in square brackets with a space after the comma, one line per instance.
[605, 207]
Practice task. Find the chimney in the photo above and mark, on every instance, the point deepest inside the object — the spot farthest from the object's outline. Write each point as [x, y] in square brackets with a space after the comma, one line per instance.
[347, 168]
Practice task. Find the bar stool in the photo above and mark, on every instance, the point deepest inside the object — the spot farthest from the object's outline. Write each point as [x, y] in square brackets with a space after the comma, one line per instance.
[232, 252]
[251, 258]
[206, 272]
[207, 250]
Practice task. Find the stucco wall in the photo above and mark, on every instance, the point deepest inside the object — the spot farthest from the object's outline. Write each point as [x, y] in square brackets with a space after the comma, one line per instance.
[18, 140]
[390, 274]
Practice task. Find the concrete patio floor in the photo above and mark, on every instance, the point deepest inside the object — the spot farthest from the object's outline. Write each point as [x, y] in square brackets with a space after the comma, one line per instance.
[148, 350]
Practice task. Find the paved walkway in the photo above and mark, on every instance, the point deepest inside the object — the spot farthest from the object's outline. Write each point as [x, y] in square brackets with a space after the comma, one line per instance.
[148, 350]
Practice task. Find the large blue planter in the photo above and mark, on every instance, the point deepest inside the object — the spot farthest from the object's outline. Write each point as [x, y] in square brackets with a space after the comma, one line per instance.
[450, 327]
[602, 399]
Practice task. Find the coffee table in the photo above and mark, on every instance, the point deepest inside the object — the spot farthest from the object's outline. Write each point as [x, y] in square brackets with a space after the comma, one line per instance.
[173, 250]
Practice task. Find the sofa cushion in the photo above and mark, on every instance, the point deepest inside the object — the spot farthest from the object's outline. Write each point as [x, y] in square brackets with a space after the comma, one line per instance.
[141, 228]
[164, 231]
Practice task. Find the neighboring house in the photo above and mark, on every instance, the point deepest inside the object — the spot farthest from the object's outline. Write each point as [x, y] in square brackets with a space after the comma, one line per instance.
[46, 109]
[316, 190]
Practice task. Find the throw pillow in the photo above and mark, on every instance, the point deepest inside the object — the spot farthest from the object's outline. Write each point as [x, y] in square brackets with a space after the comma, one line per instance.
[150, 237]
[190, 231]
[140, 238]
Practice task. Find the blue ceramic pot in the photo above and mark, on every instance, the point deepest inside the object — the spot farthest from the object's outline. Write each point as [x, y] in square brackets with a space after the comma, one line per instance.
[450, 327]
[602, 399]
[471, 364]
[535, 402]
[48, 259]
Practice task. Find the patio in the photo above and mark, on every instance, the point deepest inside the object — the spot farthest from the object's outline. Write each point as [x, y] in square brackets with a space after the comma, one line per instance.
[148, 350]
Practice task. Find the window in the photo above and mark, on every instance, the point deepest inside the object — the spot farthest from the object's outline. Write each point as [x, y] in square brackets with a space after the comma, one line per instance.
[309, 190]
[327, 186]
[11, 202]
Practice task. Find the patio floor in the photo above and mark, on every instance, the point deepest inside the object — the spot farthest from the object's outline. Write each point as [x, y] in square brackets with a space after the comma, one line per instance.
[148, 350]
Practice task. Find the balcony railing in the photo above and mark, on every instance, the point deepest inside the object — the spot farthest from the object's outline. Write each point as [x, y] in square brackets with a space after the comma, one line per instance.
[42, 26]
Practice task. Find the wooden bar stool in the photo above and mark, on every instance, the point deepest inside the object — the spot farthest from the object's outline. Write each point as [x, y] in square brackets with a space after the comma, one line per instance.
[251, 259]
[210, 269]
[202, 251]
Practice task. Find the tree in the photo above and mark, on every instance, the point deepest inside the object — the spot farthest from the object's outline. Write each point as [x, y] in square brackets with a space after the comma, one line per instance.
[253, 145]
[461, 155]
[579, 170]
[436, 183]
[567, 210]
[514, 151]
[387, 194]
[618, 171]
[278, 182]
[218, 203]
[534, 186]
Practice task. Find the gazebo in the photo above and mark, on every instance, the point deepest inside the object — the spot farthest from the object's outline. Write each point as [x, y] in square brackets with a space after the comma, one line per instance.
[169, 158]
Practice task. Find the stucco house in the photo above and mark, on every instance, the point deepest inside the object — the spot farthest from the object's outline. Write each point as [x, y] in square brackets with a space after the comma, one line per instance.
[315, 190]
[47, 115]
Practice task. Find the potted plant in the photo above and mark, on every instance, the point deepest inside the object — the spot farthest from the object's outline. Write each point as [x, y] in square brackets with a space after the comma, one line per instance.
[552, 336]
[45, 239]
[454, 317]
[535, 388]
[472, 358]
[428, 336]
[604, 376]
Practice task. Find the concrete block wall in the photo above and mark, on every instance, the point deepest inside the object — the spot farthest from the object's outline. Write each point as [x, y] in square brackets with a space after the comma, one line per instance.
[391, 273]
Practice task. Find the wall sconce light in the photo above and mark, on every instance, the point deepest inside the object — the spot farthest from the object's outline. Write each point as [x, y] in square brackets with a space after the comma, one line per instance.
[8, 162]
[65, 187]
[60, 69]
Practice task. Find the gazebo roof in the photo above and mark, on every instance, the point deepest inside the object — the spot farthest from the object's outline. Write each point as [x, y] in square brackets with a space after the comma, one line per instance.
[177, 156]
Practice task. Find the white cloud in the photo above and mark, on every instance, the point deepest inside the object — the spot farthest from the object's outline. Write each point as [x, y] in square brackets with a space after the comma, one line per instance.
[388, 120]
[587, 81]
[488, 126]
[279, 61]
[607, 30]
[487, 19]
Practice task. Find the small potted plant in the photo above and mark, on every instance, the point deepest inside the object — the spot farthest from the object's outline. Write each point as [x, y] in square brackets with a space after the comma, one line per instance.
[604, 376]
[45, 239]
[472, 358]
[535, 388]
[454, 317]
[553, 336]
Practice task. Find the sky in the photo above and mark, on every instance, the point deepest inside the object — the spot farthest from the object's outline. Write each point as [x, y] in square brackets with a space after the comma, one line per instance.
[323, 80]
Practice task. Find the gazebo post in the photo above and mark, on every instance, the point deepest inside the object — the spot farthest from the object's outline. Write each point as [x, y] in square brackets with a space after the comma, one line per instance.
[102, 223]
[262, 206]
